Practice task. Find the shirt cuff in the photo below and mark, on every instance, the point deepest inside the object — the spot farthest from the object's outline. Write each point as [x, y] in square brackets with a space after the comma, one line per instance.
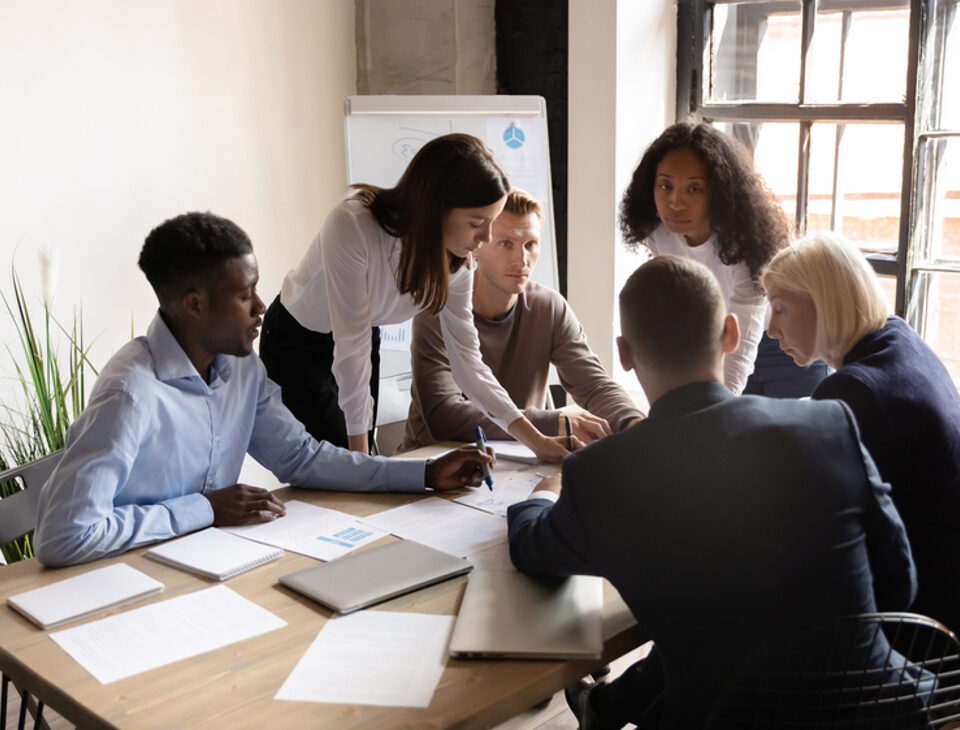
[406, 475]
[546, 421]
[189, 512]
[545, 494]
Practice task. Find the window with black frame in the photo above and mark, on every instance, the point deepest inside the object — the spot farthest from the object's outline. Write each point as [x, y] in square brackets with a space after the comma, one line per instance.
[851, 110]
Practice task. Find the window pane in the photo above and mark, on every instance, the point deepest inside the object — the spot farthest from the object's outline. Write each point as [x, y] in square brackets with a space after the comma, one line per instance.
[950, 95]
[938, 237]
[774, 147]
[874, 56]
[941, 317]
[854, 184]
[889, 286]
[942, 51]
[755, 52]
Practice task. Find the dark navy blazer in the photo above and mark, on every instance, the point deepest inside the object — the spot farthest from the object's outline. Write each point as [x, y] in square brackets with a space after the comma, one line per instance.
[723, 521]
[908, 411]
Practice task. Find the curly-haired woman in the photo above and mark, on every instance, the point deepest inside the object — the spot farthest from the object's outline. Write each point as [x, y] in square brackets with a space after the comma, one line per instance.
[695, 194]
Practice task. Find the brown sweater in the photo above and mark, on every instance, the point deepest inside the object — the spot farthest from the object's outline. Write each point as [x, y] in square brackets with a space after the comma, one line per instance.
[541, 329]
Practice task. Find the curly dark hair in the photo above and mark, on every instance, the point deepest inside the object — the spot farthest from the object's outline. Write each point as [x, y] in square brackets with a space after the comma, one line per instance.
[744, 214]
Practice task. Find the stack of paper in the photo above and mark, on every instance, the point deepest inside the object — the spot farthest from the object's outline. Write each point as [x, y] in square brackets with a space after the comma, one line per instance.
[84, 595]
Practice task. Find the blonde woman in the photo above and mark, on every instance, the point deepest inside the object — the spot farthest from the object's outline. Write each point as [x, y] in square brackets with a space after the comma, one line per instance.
[827, 305]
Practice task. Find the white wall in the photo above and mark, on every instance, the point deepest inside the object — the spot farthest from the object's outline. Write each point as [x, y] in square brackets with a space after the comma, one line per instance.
[117, 114]
[622, 87]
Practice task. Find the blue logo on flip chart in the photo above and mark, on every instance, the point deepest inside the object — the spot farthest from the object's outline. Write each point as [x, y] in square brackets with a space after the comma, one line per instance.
[514, 137]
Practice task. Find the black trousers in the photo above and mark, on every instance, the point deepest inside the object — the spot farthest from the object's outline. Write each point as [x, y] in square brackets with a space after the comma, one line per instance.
[635, 696]
[300, 361]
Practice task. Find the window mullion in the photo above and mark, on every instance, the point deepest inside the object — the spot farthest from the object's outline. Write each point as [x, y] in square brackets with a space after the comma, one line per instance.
[908, 302]
[803, 177]
[806, 40]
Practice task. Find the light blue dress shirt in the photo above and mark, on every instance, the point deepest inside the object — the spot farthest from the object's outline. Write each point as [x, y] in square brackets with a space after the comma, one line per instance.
[155, 437]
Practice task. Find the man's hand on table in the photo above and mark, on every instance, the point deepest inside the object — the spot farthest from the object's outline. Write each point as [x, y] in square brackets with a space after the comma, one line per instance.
[242, 504]
[462, 467]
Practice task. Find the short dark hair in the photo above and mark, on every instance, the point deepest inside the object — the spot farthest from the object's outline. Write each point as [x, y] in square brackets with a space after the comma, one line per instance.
[672, 313]
[744, 214]
[452, 171]
[183, 250]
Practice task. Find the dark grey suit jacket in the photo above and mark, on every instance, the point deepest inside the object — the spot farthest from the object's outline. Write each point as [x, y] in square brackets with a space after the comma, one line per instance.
[723, 521]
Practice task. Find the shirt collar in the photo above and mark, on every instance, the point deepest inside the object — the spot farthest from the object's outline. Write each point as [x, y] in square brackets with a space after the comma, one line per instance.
[172, 363]
[689, 398]
[506, 319]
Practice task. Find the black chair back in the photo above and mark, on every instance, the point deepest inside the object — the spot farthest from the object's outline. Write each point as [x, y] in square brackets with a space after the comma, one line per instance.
[866, 672]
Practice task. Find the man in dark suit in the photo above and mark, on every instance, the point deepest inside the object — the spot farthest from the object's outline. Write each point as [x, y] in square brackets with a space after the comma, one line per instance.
[722, 521]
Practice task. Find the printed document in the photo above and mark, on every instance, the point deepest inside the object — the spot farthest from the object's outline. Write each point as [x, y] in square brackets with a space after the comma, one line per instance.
[162, 633]
[313, 531]
[443, 525]
[512, 483]
[373, 658]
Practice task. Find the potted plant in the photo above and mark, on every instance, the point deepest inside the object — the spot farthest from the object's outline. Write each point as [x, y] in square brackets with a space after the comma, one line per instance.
[53, 385]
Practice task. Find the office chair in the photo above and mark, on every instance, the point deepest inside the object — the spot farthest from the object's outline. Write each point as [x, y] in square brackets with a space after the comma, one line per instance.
[821, 678]
[18, 515]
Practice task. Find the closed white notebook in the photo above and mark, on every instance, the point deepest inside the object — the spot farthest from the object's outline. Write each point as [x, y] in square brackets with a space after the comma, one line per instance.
[214, 553]
[513, 451]
[84, 595]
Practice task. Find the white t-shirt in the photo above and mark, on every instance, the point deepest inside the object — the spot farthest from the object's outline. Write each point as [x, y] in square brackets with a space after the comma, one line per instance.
[346, 284]
[742, 297]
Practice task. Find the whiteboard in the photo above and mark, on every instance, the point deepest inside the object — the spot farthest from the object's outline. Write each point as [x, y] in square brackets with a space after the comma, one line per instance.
[383, 133]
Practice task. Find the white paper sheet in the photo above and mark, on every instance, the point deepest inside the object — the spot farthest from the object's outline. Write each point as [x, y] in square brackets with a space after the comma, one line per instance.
[313, 531]
[443, 525]
[162, 633]
[512, 483]
[373, 658]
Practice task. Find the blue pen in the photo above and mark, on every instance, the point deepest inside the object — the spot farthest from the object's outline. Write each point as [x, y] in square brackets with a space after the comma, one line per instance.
[481, 438]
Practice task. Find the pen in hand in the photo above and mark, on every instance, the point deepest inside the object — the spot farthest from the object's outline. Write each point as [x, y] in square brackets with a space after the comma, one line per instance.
[481, 438]
[566, 420]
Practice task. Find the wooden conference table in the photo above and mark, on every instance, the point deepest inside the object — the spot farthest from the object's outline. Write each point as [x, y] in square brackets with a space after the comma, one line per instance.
[233, 687]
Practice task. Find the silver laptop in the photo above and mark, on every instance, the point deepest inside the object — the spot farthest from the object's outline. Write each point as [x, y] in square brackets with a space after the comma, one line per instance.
[362, 579]
[509, 615]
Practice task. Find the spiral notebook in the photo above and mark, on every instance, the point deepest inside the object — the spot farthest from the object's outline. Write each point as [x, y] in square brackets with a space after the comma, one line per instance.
[214, 553]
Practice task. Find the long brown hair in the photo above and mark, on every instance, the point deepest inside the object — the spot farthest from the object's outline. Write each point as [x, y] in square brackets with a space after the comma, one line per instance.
[452, 171]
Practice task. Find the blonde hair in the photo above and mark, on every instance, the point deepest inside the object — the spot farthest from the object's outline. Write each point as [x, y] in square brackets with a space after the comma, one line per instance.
[521, 203]
[845, 290]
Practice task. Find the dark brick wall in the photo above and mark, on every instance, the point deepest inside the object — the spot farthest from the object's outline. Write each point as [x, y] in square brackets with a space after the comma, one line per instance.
[532, 59]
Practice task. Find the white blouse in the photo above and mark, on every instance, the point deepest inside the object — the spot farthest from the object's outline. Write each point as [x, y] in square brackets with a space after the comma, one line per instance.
[741, 295]
[346, 283]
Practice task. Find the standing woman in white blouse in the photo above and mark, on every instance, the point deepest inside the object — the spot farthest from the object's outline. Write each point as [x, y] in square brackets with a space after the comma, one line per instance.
[695, 194]
[382, 256]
